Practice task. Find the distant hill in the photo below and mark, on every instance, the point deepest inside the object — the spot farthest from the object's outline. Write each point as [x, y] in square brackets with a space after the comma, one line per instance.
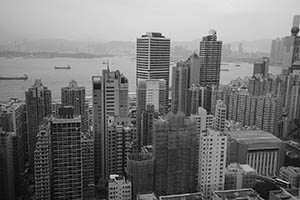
[179, 49]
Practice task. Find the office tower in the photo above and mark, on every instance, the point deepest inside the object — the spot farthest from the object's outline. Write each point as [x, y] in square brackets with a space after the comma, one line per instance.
[73, 95]
[291, 49]
[149, 92]
[110, 99]
[290, 174]
[64, 158]
[174, 150]
[261, 150]
[13, 119]
[196, 98]
[296, 21]
[42, 164]
[294, 106]
[88, 167]
[38, 105]
[194, 64]
[220, 116]
[147, 119]
[210, 58]
[140, 171]
[255, 86]
[9, 166]
[236, 195]
[212, 160]
[119, 135]
[268, 114]
[261, 67]
[180, 85]
[153, 58]
[276, 51]
[119, 188]
[238, 176]
[66, 150]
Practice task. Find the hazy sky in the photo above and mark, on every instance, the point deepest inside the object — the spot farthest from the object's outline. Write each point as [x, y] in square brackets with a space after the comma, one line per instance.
[127, 19]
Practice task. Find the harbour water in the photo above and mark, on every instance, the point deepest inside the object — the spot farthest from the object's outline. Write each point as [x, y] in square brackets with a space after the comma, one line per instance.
[82, 71]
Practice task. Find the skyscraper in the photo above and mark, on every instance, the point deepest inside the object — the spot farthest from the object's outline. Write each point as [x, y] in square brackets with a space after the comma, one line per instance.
[66, 155]
[291, 49]
[261, 67]
[140, 170]
[153, 58]
[149, 92]
[212, 160]
[42, 164]
[64, 160]
[180, 85]
[9, 165]
[73, 95]
[174, 149]
[220, 116]
[88, 167]
[210, 59]
[296, 21]
[110, 99]
[38, 105]
[119, 136]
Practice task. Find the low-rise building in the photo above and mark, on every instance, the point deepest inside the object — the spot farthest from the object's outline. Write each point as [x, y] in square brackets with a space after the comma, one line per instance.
[119, 188]
[238, 176]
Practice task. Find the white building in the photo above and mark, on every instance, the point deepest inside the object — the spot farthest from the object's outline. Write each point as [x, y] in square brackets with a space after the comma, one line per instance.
[220, 116]
[119, 188]
[212, 160]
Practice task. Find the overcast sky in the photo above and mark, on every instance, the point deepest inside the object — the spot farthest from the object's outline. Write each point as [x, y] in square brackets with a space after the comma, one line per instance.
[181, 20]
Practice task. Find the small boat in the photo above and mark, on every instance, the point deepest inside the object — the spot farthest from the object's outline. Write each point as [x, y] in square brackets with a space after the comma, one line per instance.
[237, 65]
[25, 77]
[68, 67]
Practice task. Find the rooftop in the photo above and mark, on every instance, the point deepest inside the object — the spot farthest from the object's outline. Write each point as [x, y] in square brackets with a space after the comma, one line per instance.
[241, 194]
[187, 196]
[253, 136]
[148, 196]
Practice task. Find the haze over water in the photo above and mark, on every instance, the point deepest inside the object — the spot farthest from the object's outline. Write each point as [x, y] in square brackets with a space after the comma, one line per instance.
[82, 71]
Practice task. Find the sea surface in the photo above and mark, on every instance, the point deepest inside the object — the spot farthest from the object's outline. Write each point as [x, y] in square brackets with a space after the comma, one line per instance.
[82, 71]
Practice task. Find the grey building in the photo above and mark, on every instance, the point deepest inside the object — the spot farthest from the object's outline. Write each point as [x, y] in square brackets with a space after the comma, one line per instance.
[38, 105]
[110, 99]
[174, 150]
[261, 150]
[73, 95]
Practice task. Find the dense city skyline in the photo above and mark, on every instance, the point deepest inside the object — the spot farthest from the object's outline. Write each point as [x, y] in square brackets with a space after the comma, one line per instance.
[193, 139]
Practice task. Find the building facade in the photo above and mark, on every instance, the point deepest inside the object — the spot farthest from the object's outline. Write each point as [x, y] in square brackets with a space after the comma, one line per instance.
[174, 150]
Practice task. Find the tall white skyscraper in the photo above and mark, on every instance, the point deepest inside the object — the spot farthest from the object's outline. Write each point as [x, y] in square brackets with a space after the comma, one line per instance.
[212, 162]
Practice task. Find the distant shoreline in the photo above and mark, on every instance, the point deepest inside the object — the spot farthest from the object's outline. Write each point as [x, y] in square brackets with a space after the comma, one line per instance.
[49, 55]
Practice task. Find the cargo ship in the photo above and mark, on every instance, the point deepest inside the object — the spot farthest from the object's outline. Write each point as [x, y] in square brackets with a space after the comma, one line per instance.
[68, 67]
[24, 78]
